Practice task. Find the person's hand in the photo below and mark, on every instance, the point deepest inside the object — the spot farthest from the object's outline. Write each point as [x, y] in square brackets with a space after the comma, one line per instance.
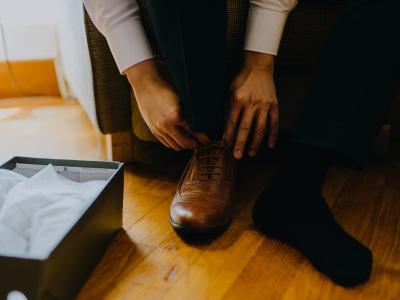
[253, 103]
[159, 106]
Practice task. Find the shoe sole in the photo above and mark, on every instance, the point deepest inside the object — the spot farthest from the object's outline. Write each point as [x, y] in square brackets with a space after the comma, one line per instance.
[186, 230]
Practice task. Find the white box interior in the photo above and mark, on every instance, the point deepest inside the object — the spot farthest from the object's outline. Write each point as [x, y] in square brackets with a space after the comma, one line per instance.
[77, 174]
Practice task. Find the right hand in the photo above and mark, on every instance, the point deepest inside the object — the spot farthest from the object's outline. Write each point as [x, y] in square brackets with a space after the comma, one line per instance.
[159, 106]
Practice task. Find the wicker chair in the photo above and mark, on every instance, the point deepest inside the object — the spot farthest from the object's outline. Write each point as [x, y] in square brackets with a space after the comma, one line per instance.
[116, 109]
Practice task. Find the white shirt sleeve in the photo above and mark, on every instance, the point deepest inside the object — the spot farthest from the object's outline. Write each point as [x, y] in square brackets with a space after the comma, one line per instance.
[119, 21]
[265, 24]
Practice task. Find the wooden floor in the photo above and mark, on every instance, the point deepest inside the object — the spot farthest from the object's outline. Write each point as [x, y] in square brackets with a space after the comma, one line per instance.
[149, 261]
[47, 127]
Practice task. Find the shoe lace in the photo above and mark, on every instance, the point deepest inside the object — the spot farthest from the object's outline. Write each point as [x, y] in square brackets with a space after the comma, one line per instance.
[212, 160]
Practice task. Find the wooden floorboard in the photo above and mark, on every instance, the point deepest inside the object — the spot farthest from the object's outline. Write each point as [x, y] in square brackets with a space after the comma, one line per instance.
[271, 270]
[47, 127]
[148, 260]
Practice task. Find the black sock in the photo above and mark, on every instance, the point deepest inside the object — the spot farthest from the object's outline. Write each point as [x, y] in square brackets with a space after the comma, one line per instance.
[293, 210]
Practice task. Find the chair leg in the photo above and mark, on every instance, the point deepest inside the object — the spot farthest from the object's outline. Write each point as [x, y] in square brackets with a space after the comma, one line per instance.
[120, 146]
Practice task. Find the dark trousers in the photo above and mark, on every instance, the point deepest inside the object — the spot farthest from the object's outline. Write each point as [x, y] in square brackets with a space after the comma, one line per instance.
[349, 94]
[192, 40]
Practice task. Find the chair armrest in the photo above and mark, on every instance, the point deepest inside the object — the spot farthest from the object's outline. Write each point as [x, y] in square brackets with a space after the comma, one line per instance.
[112, 91]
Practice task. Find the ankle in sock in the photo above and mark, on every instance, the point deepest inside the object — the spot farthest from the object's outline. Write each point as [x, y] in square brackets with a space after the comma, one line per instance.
[293, 210]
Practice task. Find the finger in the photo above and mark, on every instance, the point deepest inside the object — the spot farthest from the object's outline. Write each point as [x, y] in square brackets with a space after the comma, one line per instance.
[166, 140]
[169, 143]
[174, 145]
[183, 139]
[202, 138]
[160, 138]
[232, 123]
[243, 132]
[274, 126]
[259, 131]
[163, 141]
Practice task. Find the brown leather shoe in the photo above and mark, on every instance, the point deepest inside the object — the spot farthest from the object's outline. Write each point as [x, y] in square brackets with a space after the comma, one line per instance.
[202, 202]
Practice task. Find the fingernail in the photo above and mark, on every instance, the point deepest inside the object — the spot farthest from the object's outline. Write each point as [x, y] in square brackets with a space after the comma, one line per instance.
[238, 154]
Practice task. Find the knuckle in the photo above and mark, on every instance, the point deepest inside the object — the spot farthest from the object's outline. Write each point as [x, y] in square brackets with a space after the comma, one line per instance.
[245, 127]
[254, 99]
[260, 131]
[274, 103]
[269, 101]
[265, 106]
[239, 96]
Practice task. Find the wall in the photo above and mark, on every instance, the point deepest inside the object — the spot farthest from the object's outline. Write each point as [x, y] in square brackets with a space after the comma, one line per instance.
[31, 46]
[74, 55]
[30, 28]
[49, 31]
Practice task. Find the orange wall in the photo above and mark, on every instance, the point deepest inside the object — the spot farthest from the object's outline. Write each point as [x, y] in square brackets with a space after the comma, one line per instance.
[36, 77]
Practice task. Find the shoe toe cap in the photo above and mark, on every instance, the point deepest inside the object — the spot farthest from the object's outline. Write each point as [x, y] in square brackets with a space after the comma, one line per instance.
[202, 213]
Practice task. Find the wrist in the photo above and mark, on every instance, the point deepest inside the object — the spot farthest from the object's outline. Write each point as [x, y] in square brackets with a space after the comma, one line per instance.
[142, 73]
[257, 60]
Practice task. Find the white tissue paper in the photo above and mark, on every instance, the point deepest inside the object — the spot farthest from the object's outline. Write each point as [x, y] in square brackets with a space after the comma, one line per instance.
[7, 180]
[36, 212]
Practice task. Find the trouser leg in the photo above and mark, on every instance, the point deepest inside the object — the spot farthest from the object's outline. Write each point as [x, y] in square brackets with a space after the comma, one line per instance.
[192, 40]
[355, 80]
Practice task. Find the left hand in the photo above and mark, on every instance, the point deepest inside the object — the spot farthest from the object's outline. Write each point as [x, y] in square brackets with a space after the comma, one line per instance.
[253, 101]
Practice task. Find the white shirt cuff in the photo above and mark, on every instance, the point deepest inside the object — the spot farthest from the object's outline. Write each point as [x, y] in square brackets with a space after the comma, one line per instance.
[264, 30]
[128, 43]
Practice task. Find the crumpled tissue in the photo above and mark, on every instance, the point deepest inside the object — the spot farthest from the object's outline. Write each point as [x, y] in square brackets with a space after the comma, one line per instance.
[36, 212]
